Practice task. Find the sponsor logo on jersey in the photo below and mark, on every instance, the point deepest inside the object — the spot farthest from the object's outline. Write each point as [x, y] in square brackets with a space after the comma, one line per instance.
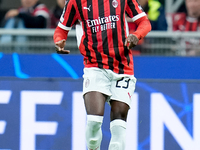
[88, 8]
[103, 23]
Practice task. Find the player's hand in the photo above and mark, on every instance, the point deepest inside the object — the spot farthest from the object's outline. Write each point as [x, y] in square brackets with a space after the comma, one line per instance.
[131, 41]
[60, 47]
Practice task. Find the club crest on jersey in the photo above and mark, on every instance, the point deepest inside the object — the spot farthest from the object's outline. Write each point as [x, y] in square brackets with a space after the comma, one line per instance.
[114, 3]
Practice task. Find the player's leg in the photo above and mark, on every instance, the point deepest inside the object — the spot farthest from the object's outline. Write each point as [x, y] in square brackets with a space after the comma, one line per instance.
[95, 83]
[119, 111]
[122, 87]
[94, 104]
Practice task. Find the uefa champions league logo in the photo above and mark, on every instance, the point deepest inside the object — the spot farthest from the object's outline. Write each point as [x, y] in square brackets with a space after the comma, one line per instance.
[114, 3]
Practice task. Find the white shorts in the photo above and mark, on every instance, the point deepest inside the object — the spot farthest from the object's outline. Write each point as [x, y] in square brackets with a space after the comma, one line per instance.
[118, 87]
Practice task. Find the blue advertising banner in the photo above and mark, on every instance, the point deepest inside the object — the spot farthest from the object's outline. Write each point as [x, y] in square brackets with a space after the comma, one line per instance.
[53, 65]
[49, 114]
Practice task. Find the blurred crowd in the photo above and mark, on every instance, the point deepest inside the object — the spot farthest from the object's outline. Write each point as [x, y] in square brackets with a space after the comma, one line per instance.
[34, 14]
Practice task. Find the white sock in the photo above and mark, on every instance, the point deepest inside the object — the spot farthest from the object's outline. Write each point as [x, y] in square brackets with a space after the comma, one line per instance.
[94, 132]
[118, 135]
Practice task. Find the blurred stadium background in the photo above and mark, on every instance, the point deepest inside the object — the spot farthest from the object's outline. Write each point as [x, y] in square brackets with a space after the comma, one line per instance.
[156, 43]
[41, 106]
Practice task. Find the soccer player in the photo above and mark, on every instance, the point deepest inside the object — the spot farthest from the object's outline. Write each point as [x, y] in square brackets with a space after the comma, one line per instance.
[108, 72]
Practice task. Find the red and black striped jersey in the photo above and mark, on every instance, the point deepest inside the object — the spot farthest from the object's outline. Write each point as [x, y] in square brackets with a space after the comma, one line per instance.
[104, 31]
[181, 22]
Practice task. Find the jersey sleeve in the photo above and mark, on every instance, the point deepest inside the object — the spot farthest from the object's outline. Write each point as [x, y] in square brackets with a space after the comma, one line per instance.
[68, 17]
[134, 10]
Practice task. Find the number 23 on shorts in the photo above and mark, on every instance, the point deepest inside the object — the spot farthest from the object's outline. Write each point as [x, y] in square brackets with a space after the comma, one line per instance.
[123, 83]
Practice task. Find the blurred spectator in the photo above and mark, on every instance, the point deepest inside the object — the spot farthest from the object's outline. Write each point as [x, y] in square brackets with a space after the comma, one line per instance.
[56, 13]
[189, 21]
[32, 14]
[2, 14]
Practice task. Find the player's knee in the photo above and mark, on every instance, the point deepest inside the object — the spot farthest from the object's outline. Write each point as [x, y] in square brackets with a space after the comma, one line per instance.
[93, 131]
[118, 135]
[118, 114]
[119, 110]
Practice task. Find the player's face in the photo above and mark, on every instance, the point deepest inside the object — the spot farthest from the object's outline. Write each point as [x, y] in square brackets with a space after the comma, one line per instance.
[193, 8]
[28, 3]
[61, 3]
